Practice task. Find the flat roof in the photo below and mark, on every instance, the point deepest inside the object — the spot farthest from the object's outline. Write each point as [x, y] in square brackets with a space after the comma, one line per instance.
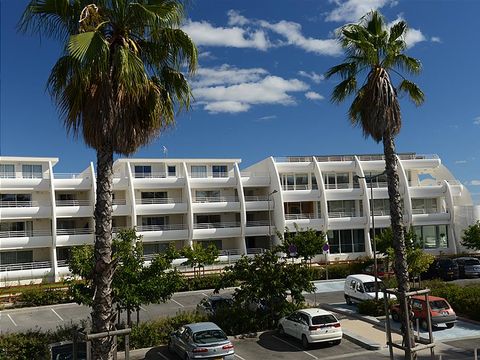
[175, 160]
[24, 159]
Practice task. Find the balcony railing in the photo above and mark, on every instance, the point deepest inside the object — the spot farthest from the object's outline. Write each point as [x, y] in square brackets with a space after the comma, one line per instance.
[341, 214]
[381, 212]
[258, 223]
[15, 204]
[26, 266]
[25, 233]
[73, 202]
[293, 159]
[119, 202]
[218, 225]
[158, 201]
[70, 176]
[213, 199]
[256, 198]
[75, 231]
[221, 174]
[338, 186]
[254, 174]
[230, 252]
[299, 216]
[146, 228]
[62, 263]
[295, 187]
[151, 175]
[425, 211]
[252, 251]
[215, 175]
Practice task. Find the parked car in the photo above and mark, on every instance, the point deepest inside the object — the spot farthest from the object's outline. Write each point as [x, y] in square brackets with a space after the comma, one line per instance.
[468, 266]
[381, 271]
[361, 287]
[443, 268]
[312, 326]
[440, 311]
[203, 340]
[211, 304]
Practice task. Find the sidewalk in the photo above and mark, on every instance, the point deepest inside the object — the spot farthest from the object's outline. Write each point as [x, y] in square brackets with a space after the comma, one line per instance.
[365, 334]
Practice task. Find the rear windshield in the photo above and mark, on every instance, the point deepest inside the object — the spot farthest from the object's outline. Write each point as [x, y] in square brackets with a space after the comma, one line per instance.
[472, 262]
[221, 303]
[209, 336]
[439, 305]
[370, 286]
[323, 319]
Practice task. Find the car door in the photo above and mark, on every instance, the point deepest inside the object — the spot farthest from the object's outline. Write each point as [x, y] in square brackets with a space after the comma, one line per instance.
[290, 324]
[417, 308]
[303, 325]
[360, 292]
[184, 341]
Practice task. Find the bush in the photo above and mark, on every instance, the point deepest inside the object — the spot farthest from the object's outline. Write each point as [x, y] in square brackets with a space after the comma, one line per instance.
[38, 296]
[373, 307]
[201, 282]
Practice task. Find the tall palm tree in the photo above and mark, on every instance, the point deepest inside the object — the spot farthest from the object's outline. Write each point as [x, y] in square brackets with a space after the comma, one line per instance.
[375, 51]
[118, 83]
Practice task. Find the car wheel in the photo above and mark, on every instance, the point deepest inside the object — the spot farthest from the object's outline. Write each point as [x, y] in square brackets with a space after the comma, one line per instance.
[348, 300]
[450, 325]
[305, 343]
[424, 324]
[337, 342]
[395, 316]
[281, 330]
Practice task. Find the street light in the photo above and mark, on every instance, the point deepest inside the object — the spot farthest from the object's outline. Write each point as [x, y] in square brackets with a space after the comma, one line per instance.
[372, 208]
[270, 220]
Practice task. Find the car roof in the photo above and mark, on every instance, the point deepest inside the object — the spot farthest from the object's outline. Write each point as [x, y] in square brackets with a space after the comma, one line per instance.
[363, 277]
[466, 258]
[315, 311]
[202, 326]
[430, 298]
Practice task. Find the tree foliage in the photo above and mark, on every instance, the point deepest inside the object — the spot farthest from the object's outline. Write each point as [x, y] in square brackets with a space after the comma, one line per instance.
[471, 236]
[266, 279]
[134, 283]
[308, 242]
[198, 256]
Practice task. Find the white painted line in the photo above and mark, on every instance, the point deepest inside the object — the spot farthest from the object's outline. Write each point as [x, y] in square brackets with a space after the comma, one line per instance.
[238, 356]
[14, 323]
[204, 294]
[162, 356]
[57, 314]
[176, 302]
[141, 307]
[295, 347]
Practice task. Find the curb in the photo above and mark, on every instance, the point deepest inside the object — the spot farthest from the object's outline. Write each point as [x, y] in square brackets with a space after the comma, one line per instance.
[361, 341]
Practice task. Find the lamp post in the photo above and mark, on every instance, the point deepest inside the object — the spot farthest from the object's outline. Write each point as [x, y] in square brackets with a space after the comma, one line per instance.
[372, 209]
[270, 219]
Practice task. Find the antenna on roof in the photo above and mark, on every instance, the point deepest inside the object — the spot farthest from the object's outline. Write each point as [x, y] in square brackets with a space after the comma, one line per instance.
[165, 151]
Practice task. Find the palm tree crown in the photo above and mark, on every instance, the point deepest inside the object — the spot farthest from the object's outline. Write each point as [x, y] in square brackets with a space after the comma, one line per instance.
[372, 48]
[119, 79]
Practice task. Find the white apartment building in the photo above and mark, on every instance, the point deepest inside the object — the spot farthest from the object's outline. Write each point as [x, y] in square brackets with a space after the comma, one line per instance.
[181, 201]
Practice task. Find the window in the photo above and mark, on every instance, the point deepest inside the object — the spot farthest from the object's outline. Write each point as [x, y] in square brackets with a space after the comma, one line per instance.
[154, 197]
[379, 181]
[297, 181]
[337, 180]
[63, 253]
[424, 206]
[219, 171]
[16, 257]
[301, 181]
[341, 208]
[7, 171]
[15, 198]
[22, 228]
[208, 218]
[206, 195]
[155, 248]
[66, 197]
[346, 241]
[154, 220]
[172, 170]
[432, 236]
[381, 207]
[143, 171]
[64, 224]
[199, 171]
[314, 182]
[32, 171]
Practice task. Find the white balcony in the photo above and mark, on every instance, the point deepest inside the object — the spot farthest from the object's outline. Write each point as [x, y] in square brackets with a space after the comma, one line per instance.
[163, 206]
[215, 204]
[25, 271]
[120, 208]
[345, 220]
[157, 180]
[212, 182]
[21, 183]
[255, 178]
[67, 208]
[72, 181]
[258, 228]
[216, 230]
[428, 191]
[25, 239]
[258, 203]
[74, 237]
[24, 209]
[305, 221]
[163, 232]
[430, 217]
[301, 195]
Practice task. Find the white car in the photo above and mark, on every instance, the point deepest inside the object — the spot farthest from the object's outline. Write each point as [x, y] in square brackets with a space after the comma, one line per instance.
[312, 326]
[361, 287]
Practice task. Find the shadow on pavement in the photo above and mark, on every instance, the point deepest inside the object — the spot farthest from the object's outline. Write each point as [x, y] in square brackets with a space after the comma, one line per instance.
[272, 341]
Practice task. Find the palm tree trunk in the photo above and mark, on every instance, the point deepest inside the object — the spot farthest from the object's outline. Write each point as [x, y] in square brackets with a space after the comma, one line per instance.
[399, 247]
[103, 315]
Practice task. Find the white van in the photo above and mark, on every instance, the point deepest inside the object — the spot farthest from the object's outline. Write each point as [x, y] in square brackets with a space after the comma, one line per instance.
[361, 287]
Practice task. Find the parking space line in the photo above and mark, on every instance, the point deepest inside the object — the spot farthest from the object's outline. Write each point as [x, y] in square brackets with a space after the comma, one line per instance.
[14, 323]
[57, 314]
[295, 347]
[162, 356]
[204, 294]
[176, 302]
[141, 307]
[238, 356]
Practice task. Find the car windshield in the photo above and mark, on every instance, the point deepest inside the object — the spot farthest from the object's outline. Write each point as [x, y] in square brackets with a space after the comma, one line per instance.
[209, 336]
[220, 303]
[439, 305]
[370, 286]
[472, 262]
[323, 319]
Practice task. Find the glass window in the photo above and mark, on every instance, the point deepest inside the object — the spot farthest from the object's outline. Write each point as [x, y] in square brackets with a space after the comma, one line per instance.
[290, 182]
[301, 181]
[334, 241]
[314, 182]
[16, 257]
[342, 180]
[442, 236]
[7, 171]
[358, 240]
[219, 171]
[172, 170]
[429, 237]
[143, 171]
[346, 244]
[155, 248]
[32, 171]
[199, 171]
[432, 236]
[154, 220]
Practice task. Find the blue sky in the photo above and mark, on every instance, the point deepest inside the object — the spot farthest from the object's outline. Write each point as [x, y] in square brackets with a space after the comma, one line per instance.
[260, 90]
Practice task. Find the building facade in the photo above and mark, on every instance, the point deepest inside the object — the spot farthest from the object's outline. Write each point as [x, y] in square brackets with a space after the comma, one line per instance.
[44, 214]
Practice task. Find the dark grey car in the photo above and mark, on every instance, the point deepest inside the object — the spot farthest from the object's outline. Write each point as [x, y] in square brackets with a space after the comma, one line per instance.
[468, 266]
[201, 341]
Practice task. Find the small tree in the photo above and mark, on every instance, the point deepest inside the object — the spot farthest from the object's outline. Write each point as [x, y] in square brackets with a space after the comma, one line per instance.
[266, 280]
[471, 236]
[198, 256]
[308, 242]
[133, 282]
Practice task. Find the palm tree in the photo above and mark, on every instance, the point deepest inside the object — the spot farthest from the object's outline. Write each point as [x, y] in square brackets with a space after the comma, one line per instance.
[118, 83]
[375, 51]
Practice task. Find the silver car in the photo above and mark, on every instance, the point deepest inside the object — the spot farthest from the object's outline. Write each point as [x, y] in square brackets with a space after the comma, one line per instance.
[203, 340]
[468, 266]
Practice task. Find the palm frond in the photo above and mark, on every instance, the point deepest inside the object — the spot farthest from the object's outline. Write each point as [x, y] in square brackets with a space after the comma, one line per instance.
[90, 48]
[406, 63]
[344, 89]
[398, 30]
[345, 70]
[414, 92]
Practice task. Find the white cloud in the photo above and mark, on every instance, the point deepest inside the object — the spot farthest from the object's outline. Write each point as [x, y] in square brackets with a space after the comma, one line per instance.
[292, 32]
[476, 121]
[460, 161]
[316, 78]
[474, 183]
[268, 117]
[229, 89]
[203, 33]
[412, 36]
[234, 18]
[435, 39]
[353, 10]
[206, 55]
[312, 95]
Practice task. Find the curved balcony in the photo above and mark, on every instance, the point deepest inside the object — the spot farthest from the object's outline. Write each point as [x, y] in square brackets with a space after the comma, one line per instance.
[430, 217]
[72, 181]
[120, 208]
[25, 239]
[163, 232]
[24, 209]
[258, 203]
[157, 180]
[216, 230]
[215, 203]
[66, 208]
[255, 178]
[25, 271]
[304, 220]
[345, 219]
[258, 228]
[75, 236]
[160, 205]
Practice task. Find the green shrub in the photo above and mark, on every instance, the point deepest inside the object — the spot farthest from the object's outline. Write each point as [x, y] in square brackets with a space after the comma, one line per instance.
[201, 282]
[373, 307]
[38, 296]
